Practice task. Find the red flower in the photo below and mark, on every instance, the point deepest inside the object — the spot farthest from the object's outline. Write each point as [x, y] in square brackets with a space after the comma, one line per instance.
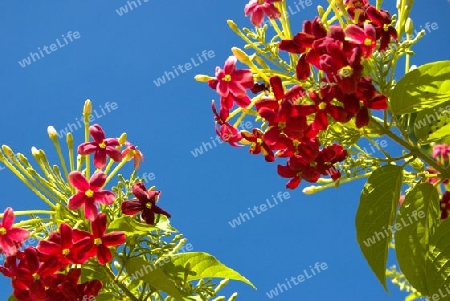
[99, 241]
[445, 205]
[258, 8]
[66, 287]
[304, 40]
[229, 80]
[61, 247]
[366, 38]
[11, 238]
[134, 153]
[225, 130]
[28, 277]
[299, 167]
[258, 145]
[385, 31]
[101, 146]
[146, 202]
[89, 193]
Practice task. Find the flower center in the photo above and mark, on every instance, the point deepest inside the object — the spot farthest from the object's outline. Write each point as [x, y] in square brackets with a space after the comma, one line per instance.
[227, 78]
[368, 42]
[36, 276]
[89, 193]
[102, 145]
[98, 241]
[346, 71]
[386, 27]
[148, 205]
[322, 105]
[362, 104]
[3, 231]
[259, 141]
[281, 125]
[66, 252]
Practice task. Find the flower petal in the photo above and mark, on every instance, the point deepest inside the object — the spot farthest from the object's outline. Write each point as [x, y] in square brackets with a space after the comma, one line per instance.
[76, 201]
[78, 181]
[97, 181]
[105, 197]
[98, 226]
[90, 210]
[113, 239]
[97, 133]
[8, 218]
[132, 207]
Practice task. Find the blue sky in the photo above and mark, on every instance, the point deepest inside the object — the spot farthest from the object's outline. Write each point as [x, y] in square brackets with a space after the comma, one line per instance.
[117, 59]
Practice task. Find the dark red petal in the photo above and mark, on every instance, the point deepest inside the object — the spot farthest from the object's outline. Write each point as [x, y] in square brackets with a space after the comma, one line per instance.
[113, 239]
[98, 226]
[103, 254]
[76, 201]
[149, 216]
[132, 207]
[105, 197]
[286, 171]
[66, 236]
[293, 183]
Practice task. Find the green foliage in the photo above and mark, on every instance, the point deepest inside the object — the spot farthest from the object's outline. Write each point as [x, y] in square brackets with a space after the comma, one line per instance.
[377, 208]
[420, 212]
[422, 88]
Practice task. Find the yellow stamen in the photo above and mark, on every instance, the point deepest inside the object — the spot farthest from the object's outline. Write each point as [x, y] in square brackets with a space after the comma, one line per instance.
[346, 71]
[3, 231]
[368, 42]
[89, 193]
[148, 205]
[227, 78]
[102, 145]
[98, 241]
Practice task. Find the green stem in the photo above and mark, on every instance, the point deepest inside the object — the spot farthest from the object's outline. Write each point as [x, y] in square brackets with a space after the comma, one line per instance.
[445, 174]
[119, 284]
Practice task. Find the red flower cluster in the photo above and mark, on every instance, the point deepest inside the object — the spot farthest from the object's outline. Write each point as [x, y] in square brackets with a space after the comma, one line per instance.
[295, 117]
[42, 272]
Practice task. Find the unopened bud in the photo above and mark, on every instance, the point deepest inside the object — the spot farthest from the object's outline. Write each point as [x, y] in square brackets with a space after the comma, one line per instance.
[69, 138]
[409, 26]
[34, 152]
[240, 55]
[232, 25]
[52, 132]
[203, 78]
[311, 189]
[261, 62]
[320, 10]
[123, 138]
[87, 109]
[8, 151]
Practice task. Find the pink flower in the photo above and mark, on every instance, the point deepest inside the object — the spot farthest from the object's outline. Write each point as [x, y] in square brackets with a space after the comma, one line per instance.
[11, 238]
[229, 80]
[89, 193]
[101, 147]
[441, 151]
[366, 38]
[136, 155]
[258, 8]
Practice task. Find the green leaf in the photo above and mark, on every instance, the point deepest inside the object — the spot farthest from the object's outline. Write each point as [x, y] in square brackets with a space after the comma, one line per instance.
[139, 268]
[201, 265]
[432, 125]
[376, 212]
[130, 226]
[104, 297]
[415, 224]
[89, 273]
[422, 88]
[12, 298]
[437, 263]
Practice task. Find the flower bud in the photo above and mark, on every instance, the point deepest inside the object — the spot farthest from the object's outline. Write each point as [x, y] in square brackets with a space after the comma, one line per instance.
[8, 151]
[311, 189]
[123, 138]
[409, 27]
[232, 25]
[69, 138]
[202, 78]
[417, 164]
[87, 109]
[261, 62]
[240, 55]
[52, 132]
[34, 152]
[320, 10]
